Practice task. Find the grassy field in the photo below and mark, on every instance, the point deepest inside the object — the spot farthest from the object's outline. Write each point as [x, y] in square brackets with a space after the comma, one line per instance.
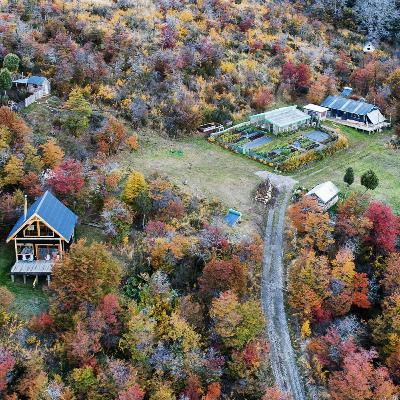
[365, 152]
[205, 169]
[28, 300]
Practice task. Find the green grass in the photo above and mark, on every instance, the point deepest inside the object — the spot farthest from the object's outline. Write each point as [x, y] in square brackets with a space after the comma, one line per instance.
[28, 300]
[365, 152]
[204, 169]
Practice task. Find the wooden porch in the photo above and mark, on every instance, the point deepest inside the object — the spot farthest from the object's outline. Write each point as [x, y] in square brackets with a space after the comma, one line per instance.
[360, 125]
[35, 268]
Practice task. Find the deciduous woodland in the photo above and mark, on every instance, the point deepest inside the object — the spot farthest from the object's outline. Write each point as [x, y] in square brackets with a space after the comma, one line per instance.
[157, 298]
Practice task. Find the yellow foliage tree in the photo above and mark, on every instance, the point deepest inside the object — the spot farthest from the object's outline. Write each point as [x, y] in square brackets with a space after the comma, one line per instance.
[13, 171]
[53, 154]
[305, 329]
[135, 185]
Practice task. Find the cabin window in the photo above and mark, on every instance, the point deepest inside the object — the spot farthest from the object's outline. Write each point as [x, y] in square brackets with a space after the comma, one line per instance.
[24, 248]
[31, 230]
[45, 230]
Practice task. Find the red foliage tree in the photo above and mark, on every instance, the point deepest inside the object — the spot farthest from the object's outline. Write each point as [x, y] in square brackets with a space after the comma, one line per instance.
[135, 392]
[222, 275]
[67, 178]
[360, 295]
[297, 76]
[213, 391]
[359, 379]
[31, 184]
[7, 363]
[385, 227]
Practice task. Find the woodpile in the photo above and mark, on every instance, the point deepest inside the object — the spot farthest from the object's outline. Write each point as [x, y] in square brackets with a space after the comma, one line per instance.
[265, 192]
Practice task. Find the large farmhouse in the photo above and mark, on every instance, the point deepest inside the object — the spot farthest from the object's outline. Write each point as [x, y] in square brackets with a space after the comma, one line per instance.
[356, 113]
[41, 235]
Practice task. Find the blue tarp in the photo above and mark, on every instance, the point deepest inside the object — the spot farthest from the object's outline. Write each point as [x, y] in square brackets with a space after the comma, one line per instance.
[232, 217]
[53, 212]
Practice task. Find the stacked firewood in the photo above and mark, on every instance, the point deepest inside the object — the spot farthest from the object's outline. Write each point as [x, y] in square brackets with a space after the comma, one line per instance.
[264, 192]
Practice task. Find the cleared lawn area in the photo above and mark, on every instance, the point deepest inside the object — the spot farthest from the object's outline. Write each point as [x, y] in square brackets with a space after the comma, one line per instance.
[205, 169]
[365, 152]
[28, 300]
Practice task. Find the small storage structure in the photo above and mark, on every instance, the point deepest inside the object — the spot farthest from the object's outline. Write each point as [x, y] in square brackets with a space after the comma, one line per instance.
[326, 193]
[314, 110]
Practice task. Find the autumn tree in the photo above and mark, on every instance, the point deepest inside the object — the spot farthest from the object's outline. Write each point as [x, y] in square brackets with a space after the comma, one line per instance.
[53, 154]
[16, 126]
[360, 380]
[13, 172]
[66, 179]
[111, 136]
[86, 274]
[390, 281]
[262, 98]
[135, 185]
[351, 221]
[236, 323]
[78, 112]
[386, 327]
[309, 282]
[222, 275]
[385, 227]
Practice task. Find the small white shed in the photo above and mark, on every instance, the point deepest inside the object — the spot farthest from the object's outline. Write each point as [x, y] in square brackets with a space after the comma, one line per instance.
[314, 110]
[326, 193]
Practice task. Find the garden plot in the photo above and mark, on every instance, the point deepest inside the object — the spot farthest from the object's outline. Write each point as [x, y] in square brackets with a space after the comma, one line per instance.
[285, 152]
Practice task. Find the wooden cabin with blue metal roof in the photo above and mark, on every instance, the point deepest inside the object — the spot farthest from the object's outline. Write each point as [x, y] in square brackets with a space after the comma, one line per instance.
[41, 236]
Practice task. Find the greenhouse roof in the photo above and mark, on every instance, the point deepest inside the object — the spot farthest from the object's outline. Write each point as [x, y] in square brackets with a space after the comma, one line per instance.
[282, 117]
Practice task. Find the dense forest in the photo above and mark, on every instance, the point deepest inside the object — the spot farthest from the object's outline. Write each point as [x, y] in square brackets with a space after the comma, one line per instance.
[166, 304]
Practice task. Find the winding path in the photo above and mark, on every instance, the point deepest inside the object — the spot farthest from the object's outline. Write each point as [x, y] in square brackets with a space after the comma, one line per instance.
[282, 356]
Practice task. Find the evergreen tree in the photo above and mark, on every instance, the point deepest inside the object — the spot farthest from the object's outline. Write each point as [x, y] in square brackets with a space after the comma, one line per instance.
[349, 176]
[11, 62]
[5, 80]
[369, 180]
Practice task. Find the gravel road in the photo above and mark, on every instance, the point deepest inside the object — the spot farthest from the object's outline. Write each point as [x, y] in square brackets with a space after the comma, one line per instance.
[282, 356]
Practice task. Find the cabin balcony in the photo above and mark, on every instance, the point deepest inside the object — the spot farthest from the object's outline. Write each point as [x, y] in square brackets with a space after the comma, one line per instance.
[36, 267]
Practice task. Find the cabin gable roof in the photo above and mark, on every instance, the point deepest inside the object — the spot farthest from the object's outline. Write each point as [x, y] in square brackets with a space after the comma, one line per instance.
[52, 212]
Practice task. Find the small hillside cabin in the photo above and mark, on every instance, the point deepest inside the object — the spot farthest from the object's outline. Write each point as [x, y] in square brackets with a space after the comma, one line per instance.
[41, 236]
[34, 84]
[326, 193]
[356, 113]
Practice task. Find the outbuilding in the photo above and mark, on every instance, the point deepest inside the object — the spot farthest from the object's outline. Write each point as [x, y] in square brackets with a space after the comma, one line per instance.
[326, 193]
[357, 113]
[316, 111]
[281, 120]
